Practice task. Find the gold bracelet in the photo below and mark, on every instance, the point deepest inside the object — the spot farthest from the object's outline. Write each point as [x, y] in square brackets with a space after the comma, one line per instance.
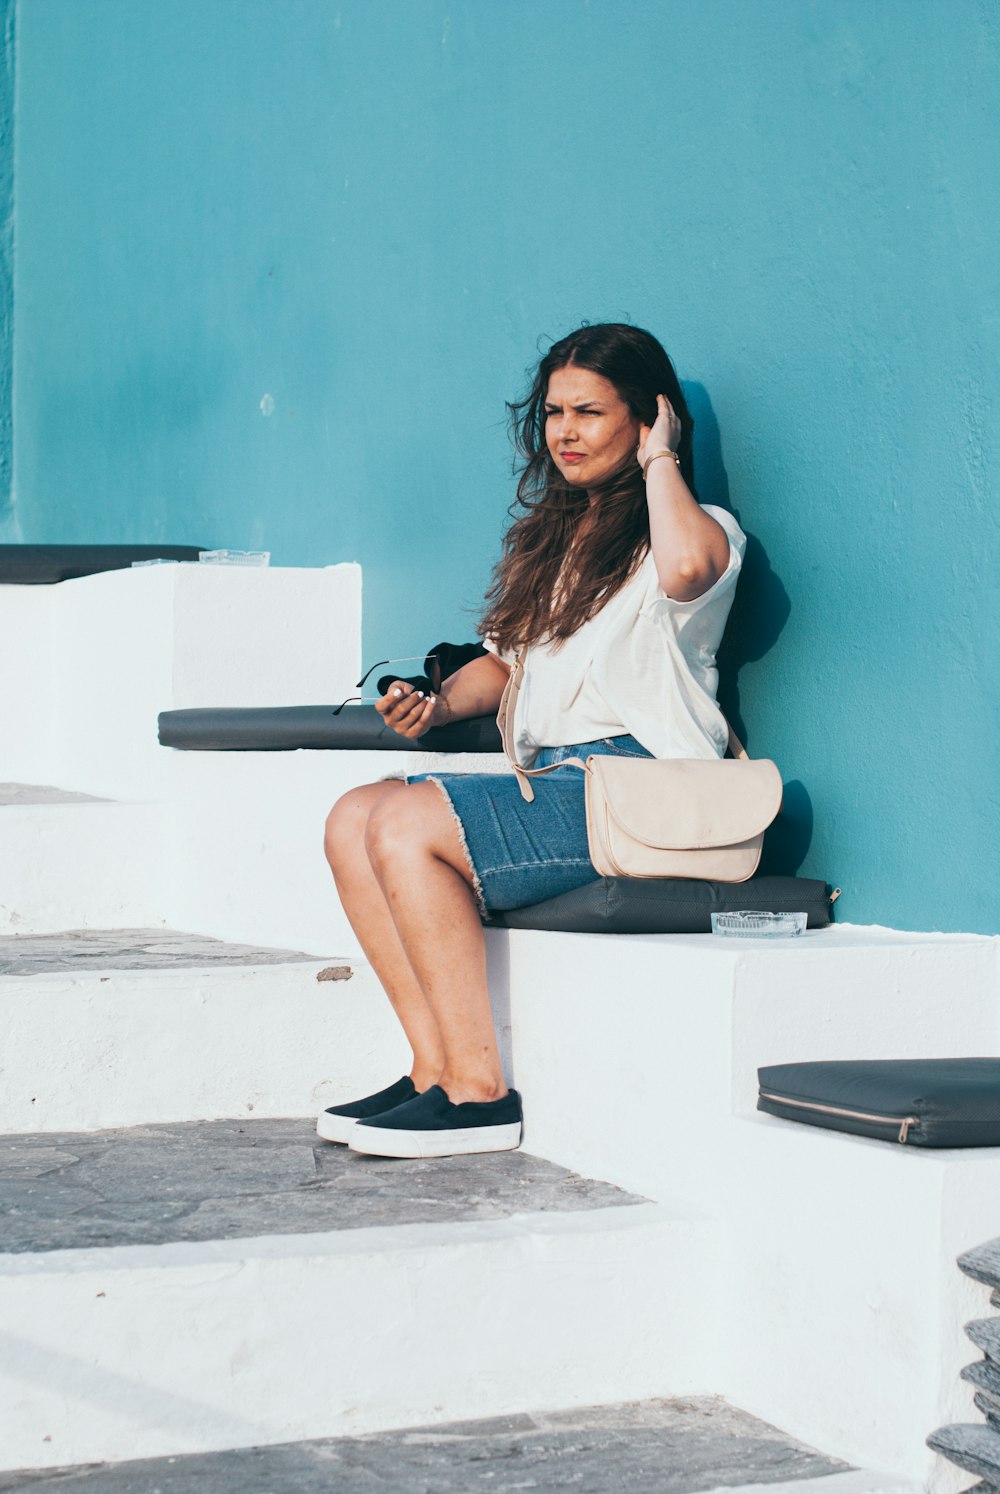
[665, 452]
[447, 705]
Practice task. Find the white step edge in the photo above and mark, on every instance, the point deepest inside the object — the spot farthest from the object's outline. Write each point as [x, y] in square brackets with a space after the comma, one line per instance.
[855, 1481]
[149, 1350]
[87, 1051]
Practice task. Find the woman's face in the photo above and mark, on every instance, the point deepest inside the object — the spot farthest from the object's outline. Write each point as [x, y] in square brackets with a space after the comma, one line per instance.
[589, 429]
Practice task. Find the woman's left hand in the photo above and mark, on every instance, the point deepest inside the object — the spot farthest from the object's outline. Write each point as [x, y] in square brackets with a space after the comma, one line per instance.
[663, 434]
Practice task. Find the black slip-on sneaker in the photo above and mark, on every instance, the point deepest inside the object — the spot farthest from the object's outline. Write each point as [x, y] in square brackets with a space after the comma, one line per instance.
[431, 1126]
[337, 1123]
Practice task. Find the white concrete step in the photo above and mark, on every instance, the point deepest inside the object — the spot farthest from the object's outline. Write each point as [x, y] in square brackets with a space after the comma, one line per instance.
[636, 1060]
[68, 860]
[676, 1026]
[121, 1027]
[368, 1295]
[109, 652]
[839, 1280]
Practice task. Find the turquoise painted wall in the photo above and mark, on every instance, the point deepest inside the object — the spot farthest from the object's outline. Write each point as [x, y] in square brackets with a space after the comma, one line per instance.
[7, 18]
[360, 215]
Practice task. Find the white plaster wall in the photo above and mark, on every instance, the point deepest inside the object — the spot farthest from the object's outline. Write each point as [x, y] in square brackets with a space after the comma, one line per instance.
[273, 636]
[113, 670]
[246, 840]
[81, 866]
[27, 696]
[860, 992]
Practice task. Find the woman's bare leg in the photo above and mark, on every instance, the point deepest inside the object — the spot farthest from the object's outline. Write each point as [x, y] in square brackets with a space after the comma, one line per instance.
[369, 917]
[415, 850]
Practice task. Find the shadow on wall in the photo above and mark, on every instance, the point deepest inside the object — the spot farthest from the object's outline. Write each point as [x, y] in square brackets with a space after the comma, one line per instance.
[760, 610]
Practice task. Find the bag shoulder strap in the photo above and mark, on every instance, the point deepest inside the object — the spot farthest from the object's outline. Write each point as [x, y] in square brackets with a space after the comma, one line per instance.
[505, 721]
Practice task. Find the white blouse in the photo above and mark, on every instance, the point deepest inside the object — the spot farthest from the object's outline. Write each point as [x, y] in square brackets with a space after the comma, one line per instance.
[644, 664]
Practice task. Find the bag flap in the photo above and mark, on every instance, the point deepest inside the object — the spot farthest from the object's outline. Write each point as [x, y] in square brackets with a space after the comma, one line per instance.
[689, 803]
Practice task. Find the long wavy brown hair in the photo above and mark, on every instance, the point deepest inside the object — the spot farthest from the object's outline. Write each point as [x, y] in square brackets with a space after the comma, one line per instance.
[523, 604]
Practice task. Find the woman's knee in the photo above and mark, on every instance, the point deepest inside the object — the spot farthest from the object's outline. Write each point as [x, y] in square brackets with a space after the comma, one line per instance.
[401, 825]
[412, 825]
[346, 824]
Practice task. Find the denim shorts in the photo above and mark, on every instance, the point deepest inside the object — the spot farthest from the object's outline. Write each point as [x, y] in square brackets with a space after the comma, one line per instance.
[526, 852]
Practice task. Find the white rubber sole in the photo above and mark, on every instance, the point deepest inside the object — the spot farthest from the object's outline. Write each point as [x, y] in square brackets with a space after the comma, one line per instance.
[335, 1127]
[379, 1141]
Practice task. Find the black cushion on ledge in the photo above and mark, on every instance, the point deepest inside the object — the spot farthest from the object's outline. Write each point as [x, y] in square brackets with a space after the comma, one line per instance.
[288, 728]
[667, 905]
[43, 565]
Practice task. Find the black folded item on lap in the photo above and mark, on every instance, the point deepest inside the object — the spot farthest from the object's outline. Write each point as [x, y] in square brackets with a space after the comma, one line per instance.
[930, 1102]
[288, 728]
[667, 905]
[451, 657]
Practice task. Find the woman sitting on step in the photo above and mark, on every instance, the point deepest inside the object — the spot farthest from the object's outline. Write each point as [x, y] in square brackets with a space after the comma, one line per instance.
[615, 584]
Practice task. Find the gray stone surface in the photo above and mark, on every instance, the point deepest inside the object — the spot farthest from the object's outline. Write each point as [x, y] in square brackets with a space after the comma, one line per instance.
[989, 1410]
[995, 1298]
[229, 1179]
[648, 1447]
[985, 1334]
[983, 1263]
[986, 1378]
[131, 949]
[975, 1448]
[39, 793]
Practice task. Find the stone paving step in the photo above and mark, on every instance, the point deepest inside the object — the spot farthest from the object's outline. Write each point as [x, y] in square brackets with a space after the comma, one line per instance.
[186, 1288]
[650, 1447]
[77, 950]
[975, 1448]
[120, 1027]
[983, 1264]
[234, 1179]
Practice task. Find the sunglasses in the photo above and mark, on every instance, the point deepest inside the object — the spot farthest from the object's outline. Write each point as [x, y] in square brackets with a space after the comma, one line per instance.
[429, 681]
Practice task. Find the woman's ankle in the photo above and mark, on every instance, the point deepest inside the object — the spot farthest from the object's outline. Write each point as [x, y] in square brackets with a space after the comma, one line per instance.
[423, 1077]
[463, 1089]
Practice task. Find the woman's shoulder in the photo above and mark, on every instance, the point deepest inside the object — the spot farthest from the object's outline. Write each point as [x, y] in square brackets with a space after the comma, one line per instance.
[723, 517]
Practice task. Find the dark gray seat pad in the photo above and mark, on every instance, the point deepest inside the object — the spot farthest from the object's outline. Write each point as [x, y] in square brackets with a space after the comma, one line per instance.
[667, 905]
[42, 565]
[287, 728]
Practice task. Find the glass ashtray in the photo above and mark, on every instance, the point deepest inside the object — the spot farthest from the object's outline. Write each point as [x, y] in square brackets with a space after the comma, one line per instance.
[234, 557]
[758, 925]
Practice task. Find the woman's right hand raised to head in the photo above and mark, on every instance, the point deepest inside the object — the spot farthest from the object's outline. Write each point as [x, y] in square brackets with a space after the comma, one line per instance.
[410, 711]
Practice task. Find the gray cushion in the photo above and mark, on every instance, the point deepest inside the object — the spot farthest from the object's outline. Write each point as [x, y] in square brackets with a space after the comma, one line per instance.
[42, 565]
[667, 905]
[286, 728]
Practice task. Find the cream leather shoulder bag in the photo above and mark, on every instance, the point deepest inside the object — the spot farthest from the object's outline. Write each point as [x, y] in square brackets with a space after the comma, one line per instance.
[665, 817]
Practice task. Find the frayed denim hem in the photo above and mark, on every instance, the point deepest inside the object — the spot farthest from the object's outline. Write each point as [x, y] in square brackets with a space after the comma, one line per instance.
[477, 886]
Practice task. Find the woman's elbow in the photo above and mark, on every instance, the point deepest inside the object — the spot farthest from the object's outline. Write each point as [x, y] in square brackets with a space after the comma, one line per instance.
[689, 577]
